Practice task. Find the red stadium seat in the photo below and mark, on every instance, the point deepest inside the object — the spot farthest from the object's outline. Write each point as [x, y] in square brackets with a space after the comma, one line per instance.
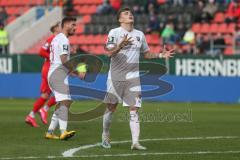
[213, 28]
[229, 51]
[155, 39]
[205, 28]
[98, 39]
[161, 1]
[92, 48]
[219, 17]
[100, 49]
[82, 40]
[73, 40]
[86, 19]
[228, 39]
[80, 29]
[223, 28]
[196, 27]
[84, 47]
[231, 28]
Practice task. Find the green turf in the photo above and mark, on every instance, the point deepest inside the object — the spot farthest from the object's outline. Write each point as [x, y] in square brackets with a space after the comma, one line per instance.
[191, 120]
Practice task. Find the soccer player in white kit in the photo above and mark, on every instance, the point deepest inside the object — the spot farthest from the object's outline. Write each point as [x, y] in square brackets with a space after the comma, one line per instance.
[58, 79]
[124, 46]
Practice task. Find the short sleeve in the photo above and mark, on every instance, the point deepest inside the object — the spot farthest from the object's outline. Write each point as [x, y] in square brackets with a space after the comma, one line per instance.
[64, 47]
[111, 40]
[144, 47]
[46, 46]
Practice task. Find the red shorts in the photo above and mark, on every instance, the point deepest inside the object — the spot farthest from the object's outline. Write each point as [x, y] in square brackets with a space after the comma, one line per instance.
[44, 84]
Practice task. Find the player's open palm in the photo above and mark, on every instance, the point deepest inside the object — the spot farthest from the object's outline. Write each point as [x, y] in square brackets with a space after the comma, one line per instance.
[168, 53]
[126, 41]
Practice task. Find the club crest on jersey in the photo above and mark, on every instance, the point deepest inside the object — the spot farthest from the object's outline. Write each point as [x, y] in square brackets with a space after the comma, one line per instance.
[138, 38]
[110, 39]
[65, 47]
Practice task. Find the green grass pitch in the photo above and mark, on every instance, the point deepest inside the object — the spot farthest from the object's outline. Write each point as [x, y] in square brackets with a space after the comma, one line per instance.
[160, 121]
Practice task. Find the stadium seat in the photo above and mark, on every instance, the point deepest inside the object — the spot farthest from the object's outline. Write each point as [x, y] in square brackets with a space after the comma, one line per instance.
[228, 51]
[86, 19]
[204, 28]
[219, 17]
[213, 28]
[73, 40]
[196, 27]
[231, 28]
[228, 39]
[223, 28]
[80, 29]
[161, 1]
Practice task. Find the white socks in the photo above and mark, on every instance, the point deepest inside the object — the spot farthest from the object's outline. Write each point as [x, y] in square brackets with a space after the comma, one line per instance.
[62, 125]
[46, 108]
[134, 126]
[107, 119]
[60, 117]
[54, 123]
[31, 114]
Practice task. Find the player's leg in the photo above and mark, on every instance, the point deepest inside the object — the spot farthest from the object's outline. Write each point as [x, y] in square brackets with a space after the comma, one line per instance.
[111, 100]
[132, 99]
[60, 88]
[30, 119]
[44, 110]
[135, 128]
[60, 117]
[45, 93]
[51, 101]
[53, 125]
[107, 120]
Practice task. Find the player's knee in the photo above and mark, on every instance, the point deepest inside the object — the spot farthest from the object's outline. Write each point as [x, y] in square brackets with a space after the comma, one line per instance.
[134, 116]
[66, 103]
[133, 108]
[112, 107]
[45, 95]
[62, 112]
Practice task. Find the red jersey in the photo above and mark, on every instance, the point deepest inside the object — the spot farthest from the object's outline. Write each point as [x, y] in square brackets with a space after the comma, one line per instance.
[45, 49]
[45, 53]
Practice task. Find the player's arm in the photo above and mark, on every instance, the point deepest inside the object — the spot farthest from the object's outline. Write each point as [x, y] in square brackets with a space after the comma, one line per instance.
[164, 54]
[149, 55]
[65, 51]
[44, 50]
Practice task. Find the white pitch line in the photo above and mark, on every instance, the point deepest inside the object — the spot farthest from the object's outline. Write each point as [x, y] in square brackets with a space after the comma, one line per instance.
[128, 155]
[70, 152]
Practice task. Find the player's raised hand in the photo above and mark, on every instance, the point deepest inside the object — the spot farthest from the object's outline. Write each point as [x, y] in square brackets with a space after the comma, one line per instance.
[125, 41]
[167, 53]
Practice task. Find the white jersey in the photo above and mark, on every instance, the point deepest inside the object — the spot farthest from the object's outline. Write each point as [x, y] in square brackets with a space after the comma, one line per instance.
[59, 46]
[125, 64]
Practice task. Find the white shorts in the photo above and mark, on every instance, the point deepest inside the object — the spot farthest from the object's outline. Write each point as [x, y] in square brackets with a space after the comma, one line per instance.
[126, 92]
[58, 83]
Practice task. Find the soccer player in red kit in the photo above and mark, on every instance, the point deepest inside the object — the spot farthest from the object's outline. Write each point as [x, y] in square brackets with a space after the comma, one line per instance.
[45, 90]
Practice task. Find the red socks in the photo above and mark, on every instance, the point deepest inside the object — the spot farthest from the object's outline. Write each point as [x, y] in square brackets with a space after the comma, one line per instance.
[38, 104]
[51, 102]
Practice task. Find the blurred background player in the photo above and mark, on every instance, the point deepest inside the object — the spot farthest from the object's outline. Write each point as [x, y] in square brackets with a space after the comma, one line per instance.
[58, 81]
[45, 90]
[123, 85]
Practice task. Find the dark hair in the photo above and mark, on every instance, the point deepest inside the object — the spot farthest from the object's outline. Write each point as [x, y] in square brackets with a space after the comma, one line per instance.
[53, 27]
[123, 10]
[67, 19]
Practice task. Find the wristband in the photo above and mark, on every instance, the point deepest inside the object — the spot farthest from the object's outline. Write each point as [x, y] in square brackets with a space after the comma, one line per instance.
[160, 55]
